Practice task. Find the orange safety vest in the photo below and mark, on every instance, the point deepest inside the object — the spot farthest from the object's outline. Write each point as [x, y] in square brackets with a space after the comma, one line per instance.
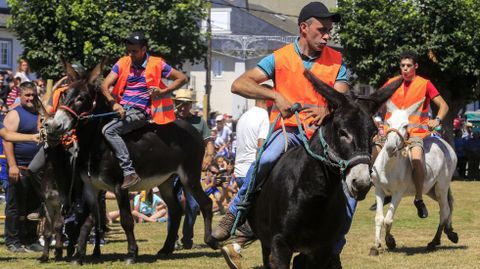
[162, 110]
[296, 88]
[56, 97]
[417, 91]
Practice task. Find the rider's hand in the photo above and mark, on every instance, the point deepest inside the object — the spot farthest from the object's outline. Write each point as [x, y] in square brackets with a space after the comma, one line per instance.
[433, 123]
[283, 105]
[119, 109]
[13, 174]
[158, 93]
[317, 113]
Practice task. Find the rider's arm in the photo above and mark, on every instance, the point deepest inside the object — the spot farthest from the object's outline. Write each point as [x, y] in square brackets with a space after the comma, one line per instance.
[107, 83]
[442, 107]
[179, 79]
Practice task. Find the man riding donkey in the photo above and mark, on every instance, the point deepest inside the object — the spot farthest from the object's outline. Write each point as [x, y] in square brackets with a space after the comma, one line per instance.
[413, 90]
[138, 94]
[285, 67]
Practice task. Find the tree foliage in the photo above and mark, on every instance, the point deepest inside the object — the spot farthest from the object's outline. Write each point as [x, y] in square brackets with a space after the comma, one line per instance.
[87, 30]
[445, 34]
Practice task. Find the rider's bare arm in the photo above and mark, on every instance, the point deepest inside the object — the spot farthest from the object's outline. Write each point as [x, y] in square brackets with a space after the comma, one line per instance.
[341, 86]
[442, 112]
[107, 83]
[248, 86]
[442, 106]
[179, 79]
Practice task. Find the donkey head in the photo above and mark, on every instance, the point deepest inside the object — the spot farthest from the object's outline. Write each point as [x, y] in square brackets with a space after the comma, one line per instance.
[77, 100]
[398, 124]
[349, 130]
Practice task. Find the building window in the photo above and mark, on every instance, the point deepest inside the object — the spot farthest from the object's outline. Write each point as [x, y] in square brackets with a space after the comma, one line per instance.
[220, 20]
[5, 53]
[3, 4]
[217, 68]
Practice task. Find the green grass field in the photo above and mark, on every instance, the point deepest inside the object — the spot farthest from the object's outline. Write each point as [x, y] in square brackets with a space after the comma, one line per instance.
[411, 233]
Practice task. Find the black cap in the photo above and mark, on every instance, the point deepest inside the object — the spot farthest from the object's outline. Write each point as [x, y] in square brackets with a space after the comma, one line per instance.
[317, 10]
[136, 38]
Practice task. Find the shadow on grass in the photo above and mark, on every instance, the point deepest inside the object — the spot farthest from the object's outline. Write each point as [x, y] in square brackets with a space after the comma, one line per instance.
[409, 251]
[111, 241]
[146, 258]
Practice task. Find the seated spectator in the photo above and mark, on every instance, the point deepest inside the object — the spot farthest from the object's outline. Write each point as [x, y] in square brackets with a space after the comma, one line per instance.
[148, 207]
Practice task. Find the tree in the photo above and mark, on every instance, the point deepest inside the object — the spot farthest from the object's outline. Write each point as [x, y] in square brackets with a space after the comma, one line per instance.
[443, 32]
[87, 30]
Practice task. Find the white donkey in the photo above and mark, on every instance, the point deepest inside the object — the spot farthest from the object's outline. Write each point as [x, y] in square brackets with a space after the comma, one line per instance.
[392, 175]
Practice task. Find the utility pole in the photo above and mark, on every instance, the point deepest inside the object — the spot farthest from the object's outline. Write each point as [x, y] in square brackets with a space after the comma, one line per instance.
[208, 68]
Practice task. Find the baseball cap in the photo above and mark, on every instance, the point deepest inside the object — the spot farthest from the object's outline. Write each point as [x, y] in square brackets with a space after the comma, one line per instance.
[136, 38]
[317, 10]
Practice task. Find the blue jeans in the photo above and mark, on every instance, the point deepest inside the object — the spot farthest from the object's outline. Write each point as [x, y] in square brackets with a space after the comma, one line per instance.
[191, 208]
[273, 151]
[134, 119]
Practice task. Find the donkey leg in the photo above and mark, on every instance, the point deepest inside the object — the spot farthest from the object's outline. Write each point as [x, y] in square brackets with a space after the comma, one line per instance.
[126, 220]
[389, 239]
[444, 213]
[374, 250]
[169, 195]
[82, 241]
[452, 236]
[47, 238]
[193, 186]
[266, 256]
[281, 253]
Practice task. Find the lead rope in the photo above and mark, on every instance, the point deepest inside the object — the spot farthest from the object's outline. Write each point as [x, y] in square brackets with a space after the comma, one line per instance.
[246, 201]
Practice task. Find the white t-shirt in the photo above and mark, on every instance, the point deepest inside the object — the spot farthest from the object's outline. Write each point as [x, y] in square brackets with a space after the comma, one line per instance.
[251, 126]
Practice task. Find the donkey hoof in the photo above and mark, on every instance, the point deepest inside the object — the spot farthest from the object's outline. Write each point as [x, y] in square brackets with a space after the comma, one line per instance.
[213, 243]
[130, 261]
[453, 237]
[58, 254]
[373, 251]
[432, 246]
[43, 259]
[390, 241]
[163, 253]
[77, 262]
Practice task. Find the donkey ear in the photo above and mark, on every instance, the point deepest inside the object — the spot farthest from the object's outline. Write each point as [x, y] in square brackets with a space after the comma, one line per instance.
[411, 109]
[97, 71]
[373, 102]
[333, 97]
[68, 68]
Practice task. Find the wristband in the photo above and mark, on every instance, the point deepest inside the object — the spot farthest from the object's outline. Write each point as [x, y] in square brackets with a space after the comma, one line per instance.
[439, 120]
[111, 102]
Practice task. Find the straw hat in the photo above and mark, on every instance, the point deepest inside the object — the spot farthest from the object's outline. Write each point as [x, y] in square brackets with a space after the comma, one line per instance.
[469, 124]
[184, 95]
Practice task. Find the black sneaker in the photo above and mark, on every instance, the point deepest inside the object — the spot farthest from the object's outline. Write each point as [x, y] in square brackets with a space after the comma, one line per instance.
[422, 211]
[16, 248]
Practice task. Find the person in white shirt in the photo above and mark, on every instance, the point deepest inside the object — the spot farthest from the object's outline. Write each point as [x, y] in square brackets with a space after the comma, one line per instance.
[252, 129]
[23, 71]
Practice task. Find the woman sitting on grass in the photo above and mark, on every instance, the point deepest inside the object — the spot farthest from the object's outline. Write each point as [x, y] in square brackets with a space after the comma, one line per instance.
[148, 207]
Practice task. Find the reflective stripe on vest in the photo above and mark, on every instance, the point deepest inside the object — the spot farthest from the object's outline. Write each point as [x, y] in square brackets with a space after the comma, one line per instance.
[162, 110]
[296, 88]
[416, 92]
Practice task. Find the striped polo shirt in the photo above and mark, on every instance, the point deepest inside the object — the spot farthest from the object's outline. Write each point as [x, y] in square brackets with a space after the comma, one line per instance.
[136, 92]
